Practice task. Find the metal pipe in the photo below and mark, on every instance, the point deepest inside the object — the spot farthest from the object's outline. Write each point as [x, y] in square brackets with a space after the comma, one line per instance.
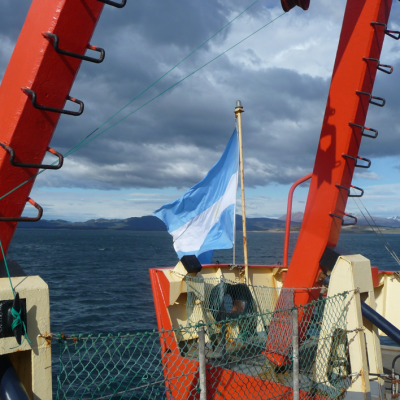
[380, 322]
[289, 217]
[11, 387]
[202, 363]
[295, 338]
[238, 115]
[394, 379]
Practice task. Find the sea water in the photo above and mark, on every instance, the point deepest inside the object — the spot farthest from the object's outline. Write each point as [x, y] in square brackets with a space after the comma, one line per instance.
[99, 280]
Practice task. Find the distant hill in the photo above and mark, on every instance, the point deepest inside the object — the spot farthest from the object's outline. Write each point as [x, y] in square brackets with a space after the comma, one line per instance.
[146, 223]
[296, 217]
[392, 222]
[262, 224]
[151, 223]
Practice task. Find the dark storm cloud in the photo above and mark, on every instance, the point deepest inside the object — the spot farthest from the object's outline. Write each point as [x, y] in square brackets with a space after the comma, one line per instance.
[12, 17]
[177, 138]
[385, 119]
[173, 141]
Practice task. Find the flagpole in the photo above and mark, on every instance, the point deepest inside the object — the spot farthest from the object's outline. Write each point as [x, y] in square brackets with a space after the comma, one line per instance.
[238, 114]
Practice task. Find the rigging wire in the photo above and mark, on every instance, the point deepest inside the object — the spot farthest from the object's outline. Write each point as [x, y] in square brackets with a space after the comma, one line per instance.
[17, 319]
[381, 238]
[170, 70]
[84, 142]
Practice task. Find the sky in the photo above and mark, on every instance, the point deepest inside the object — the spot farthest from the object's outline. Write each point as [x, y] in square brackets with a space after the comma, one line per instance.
[281, 74]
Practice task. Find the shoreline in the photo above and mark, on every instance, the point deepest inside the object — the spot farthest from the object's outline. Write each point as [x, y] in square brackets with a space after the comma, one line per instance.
[359, 229]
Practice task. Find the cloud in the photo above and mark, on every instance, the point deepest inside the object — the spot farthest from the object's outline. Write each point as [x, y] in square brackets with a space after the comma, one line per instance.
[281, 75]
[367, 175]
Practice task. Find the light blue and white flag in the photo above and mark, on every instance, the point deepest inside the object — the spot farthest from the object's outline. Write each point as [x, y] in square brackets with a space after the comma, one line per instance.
[203, 220]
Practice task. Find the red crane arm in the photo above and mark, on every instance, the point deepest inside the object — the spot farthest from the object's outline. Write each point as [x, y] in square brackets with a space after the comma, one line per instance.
[36, 65]
[348, 102]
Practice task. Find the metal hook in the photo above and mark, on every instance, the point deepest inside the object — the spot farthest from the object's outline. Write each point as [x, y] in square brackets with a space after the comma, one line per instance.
[365, 128]
[26, 219]
[382, 100]
[10, 150]
[393, 34]
[56, 40]
[359, 158]
[30, 92]
[348, 189]
[387, 69]
[347, 215]
[114, 4]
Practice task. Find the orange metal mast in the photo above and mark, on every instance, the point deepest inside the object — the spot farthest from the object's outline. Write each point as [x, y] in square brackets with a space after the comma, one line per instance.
[34, 90]
[357, 61]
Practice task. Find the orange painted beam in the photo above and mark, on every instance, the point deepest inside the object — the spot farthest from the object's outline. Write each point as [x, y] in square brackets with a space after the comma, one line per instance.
[358, 40]
[37, 66]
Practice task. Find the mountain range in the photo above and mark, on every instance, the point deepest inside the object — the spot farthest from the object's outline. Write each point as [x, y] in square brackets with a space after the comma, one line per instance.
[151, 223]
[146, 223]
[392, 222]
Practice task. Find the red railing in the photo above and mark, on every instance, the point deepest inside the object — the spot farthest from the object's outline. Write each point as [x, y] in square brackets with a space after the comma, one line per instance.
[289, 217]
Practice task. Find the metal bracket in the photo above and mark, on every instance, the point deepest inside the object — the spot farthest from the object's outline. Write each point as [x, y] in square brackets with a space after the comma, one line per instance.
[114, 4]
[347, 215]
[232, 266]
[387, 69]
[30, 92]
[381, 100]
[25, 219]
[393, 34]
[359, 158]
[10, 150]
[56, 40]
[348, 189]
[6, 318]
[363, 128]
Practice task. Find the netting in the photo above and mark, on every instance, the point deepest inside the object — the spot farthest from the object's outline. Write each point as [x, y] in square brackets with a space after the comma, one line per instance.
[245, 357]
[216, 299]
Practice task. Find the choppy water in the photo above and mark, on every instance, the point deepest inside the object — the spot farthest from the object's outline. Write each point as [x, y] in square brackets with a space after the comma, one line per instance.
[99, 280]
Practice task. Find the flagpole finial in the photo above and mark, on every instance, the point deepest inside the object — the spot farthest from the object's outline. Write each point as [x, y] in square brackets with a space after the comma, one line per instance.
[238, 108]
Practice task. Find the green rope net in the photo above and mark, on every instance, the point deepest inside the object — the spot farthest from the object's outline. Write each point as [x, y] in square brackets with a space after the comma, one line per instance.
[213, 299]
[247, 356]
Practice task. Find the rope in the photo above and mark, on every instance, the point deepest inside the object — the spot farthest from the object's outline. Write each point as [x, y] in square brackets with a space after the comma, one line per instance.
[16, 314]
[8, 272]
[156, 364]
[84, 142]
[381, 238]
[18, 321]
[166, 73]
[81, 144]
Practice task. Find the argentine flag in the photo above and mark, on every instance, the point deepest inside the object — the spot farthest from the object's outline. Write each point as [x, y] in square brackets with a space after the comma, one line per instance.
[203, 220]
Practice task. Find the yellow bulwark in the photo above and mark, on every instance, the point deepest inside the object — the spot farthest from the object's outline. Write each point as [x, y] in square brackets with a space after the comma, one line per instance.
[32, 361]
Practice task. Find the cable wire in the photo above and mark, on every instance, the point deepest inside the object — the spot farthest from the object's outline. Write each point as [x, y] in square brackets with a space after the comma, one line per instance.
[171, 69]
[84, 142]
[381, 238]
